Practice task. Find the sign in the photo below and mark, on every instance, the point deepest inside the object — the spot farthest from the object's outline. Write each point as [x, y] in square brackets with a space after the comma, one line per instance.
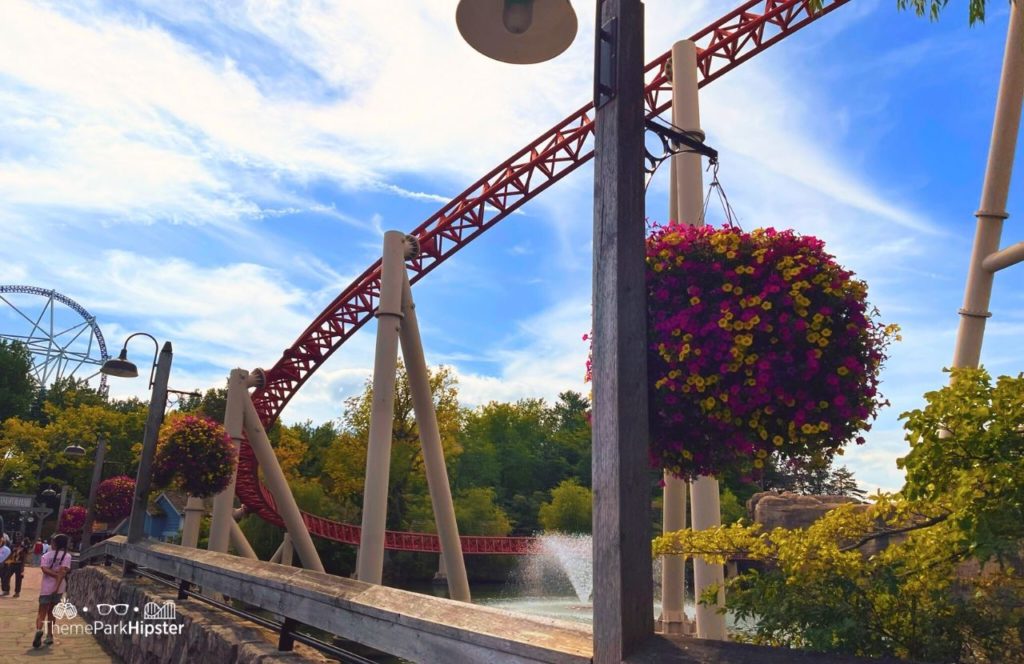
[15, 501]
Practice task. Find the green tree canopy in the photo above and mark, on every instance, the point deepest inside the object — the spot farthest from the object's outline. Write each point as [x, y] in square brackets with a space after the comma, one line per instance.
[950, 584]
[569, 510]
[17, 387]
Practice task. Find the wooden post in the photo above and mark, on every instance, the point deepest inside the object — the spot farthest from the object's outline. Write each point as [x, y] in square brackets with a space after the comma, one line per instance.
[623, 588]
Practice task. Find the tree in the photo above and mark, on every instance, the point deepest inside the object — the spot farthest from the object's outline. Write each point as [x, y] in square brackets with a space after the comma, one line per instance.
[211, 404]
[290, 451]
[569, 510]
[345, 466]
[931, 8]
[477, 513]
[950, 584]
[810, 476]
[17, 387]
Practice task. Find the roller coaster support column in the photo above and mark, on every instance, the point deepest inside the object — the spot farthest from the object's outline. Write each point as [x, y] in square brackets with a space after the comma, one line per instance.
[623, 588]
[278, 485]
[986, 259]
[433, 453]
[673, 516]
[242, 546]
[224, 502]
[370, 566]
[704, 498]
[194, 510]
[287, 550]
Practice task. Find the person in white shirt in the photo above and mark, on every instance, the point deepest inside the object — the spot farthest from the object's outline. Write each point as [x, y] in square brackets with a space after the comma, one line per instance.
[5, 550]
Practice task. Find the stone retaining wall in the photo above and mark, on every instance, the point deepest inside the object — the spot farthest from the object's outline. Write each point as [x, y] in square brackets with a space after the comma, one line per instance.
[207, 634]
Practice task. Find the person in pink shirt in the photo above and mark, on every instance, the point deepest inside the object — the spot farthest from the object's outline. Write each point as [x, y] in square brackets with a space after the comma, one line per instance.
[54, 565]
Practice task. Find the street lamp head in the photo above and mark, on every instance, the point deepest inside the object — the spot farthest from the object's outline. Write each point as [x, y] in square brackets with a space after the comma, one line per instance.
[120, 367]
[520, 32]
[74, 451]
[49, 493]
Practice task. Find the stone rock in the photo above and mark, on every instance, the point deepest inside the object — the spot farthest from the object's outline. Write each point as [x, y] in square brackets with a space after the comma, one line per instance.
[208, 634]
[791, 510]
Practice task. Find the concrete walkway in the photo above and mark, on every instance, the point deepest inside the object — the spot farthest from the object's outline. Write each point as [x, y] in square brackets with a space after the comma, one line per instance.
[18, 626]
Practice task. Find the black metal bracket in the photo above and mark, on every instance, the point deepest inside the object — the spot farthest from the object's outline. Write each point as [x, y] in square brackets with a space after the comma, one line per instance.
[605, 61]
[674, 141]
[286, 642]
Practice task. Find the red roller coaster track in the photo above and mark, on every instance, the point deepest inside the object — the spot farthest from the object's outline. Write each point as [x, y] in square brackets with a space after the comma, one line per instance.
[722, 46]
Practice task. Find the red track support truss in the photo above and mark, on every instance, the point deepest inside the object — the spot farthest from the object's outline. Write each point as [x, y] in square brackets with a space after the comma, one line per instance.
[722, 46]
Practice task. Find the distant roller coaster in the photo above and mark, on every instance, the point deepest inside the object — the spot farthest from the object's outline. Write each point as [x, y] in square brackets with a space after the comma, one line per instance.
[64, 340]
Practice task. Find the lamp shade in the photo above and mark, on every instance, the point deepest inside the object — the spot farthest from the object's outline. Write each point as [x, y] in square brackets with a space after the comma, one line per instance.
[520, 32]
[120, 367]
[49, 493]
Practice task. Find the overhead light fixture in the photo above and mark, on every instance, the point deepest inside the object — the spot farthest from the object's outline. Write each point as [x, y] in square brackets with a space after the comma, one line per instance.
[74, 451]
[520, 32]
[120, 367]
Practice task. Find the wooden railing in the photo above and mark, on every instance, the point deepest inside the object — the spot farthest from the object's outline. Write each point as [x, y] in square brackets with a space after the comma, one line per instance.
[416, 627]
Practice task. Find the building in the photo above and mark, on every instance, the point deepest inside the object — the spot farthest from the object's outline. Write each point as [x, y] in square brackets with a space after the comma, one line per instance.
[164, 517]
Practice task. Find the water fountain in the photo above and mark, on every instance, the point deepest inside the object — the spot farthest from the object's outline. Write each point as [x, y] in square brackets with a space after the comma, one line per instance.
[556, 581]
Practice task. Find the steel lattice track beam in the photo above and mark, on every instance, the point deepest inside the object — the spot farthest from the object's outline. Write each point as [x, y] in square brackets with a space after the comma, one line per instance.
[722, 46]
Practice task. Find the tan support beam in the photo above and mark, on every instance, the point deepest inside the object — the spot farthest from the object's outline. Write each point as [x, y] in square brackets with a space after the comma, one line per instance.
[278, 485]
[704, 497]
[194, 510]
[433, 453]
[370, 566]
[287, 550]
[224, 502]
[241, 544]
[994, 194]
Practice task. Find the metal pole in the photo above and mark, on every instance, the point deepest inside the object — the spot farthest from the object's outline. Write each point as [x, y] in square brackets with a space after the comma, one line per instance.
[433, 453]
[60, 505]
[157, 404]
[704, 493]
[194, 510]
[623, 583]
[97, 475]
[278, 485]
[994, 192]
[224, 502]
[370, 567]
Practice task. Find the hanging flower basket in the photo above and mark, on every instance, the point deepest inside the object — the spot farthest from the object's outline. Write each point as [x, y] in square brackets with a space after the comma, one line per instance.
[759, 343]
[114, 498]
[194, 454]
[72, 520]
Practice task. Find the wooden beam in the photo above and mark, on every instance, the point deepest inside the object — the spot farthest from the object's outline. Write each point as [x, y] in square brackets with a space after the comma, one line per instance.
[623, 585]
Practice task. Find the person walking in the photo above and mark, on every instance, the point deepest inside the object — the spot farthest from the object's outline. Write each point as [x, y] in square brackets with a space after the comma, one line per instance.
[15, 566]
[55, 566]
[37, 552]
[5, 553]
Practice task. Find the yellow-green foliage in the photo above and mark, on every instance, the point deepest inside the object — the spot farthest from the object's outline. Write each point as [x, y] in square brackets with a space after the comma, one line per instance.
[922, 597]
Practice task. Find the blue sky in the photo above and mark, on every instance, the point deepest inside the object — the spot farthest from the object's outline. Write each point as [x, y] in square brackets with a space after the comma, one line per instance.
[215, 173]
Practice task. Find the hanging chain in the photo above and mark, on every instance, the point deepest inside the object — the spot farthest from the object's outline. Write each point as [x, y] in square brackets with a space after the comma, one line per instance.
[731, 218]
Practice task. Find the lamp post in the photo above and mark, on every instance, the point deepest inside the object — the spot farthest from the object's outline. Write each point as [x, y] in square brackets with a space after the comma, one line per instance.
[622, 548]
[157, 403]
[90, 513]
